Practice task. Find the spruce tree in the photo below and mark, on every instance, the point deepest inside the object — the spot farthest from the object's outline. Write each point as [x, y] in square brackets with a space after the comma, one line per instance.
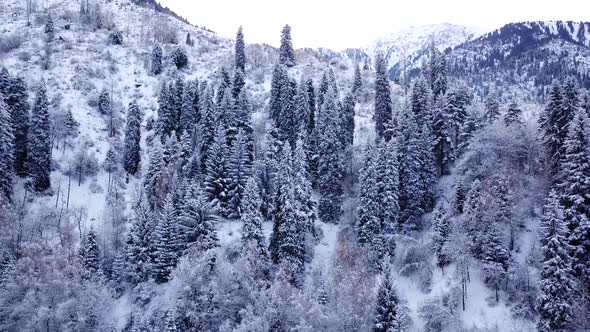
[388, 188]
[7, 152]
[557, 283]
[495, 259]
[459, 198]
[442, 230]
[189, 116]
[383, 111]
[421, 99]
[156, 60]
[347, 113]
[368, 224]
[573, 187]
[388, 311]
[154, 182]
[18, 108]
[330, 161]
[217, 179]
[139, 246]
[90, 256]
[513, 115]
[238, 83]
[165, 123]
[251, 216]
[104, 102]
[286, 51]
[132, 149]
[357, 83]
[198, 221]
[278, 80]
[40, 142]
[206, 128]
[443, 136]
[492, 108]
[239, 171]
[240, 52]
[166, 242]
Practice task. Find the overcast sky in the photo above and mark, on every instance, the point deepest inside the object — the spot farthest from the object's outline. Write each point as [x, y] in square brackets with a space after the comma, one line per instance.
[339, 24]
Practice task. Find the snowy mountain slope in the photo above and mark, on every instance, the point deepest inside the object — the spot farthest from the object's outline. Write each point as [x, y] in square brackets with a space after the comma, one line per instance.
[527, 56]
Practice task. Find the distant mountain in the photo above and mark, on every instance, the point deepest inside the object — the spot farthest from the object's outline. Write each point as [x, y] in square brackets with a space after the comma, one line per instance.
[526, 55]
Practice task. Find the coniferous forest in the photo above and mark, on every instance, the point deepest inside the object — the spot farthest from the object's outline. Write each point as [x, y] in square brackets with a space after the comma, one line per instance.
[157, 177]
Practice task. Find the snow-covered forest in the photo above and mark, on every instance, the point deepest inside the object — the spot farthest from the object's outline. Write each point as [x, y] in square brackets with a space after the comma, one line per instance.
[157, 177]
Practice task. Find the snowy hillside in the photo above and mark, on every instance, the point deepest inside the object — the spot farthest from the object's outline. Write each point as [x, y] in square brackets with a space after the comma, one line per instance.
[157, 177]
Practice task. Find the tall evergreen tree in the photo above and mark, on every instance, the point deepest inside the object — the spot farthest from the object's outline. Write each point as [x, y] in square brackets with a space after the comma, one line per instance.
[388, 312]
[495, 259]
[513, 115]
[91, 256]
[330, 160]
[251, 216]
[6, 151]
[443, 136]
[189, 116]
[198, 221]
[383, 110]
[154, 182]
[492, 108]
[217, 179]
[139, 247]
[240, 52]
[166, 241]
[357, 83]
[442, 230]
[18, 107]
[239, 171]
[132, 149]
[557, 283]
[369, 219]
[286, 51]
[347, 113]
[573, 187]
[156, 60]
[40, 142]
[165, 124]
[421, 100]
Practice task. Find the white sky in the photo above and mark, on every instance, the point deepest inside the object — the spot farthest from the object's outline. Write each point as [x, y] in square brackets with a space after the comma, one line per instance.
[339, 24]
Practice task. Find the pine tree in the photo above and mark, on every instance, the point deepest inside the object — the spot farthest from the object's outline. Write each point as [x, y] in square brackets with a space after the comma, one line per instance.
[239, 170]
[157, 60]
[240, 52]
[495, 259]
[459, 199]
[513, 115]
[278, 80]
[251, 216]
[557, 283]
[104, 102]
[492, 108]
[166, 242]
[369, 210]
[442, 230]
[347, 114]
[287, 240]
[217, 179]
[166, 112]
[383, 110]
[286, 51]
[287, 119]
[40, 142]
[388, 312]
[198, 221]
[388, 189]
[330, 161]
[438, 72]
[132, 149]
[301, 108]
[154, 182]
[18, 107]
[90, 256]
[443, 136]
[139, 247]
[357, 83]
[7, 152]
[553, 123]
[238, 83]
[189, 117]
[421, 101]
[177, 92]
[573, 187]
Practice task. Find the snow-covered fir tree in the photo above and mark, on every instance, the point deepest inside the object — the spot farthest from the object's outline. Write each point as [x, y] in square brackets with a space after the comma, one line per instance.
[240, 53]
[557, 281]
[389, 312]
[513, 114]
[17, 104]
[383, 112]
[166, 241]
[7, 152]
[90, 256]
[132, 148]
[251, 216]
[330, 160]
[239, 168]
[39, 141]
[217, 177]
[286, 51]
[156, 68]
